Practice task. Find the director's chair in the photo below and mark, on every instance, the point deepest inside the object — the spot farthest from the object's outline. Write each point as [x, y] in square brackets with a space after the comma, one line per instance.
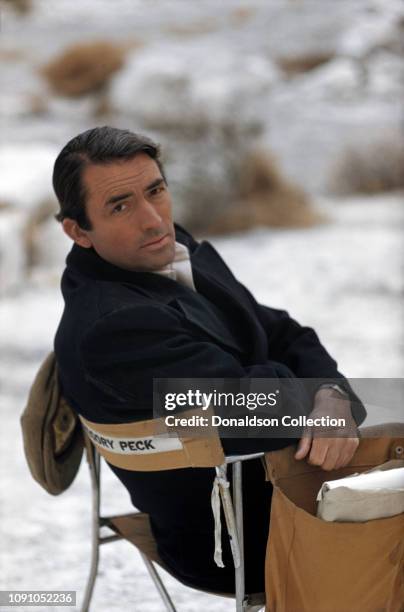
[135, 527]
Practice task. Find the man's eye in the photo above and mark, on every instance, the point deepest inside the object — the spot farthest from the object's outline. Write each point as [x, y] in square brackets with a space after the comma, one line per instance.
[118, 208]
[156, 190]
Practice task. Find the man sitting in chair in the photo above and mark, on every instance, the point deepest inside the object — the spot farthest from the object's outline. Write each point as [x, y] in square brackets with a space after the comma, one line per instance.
[144, 300]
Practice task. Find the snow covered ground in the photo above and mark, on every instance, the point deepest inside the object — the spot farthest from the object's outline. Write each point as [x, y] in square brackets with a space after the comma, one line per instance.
[344, 278]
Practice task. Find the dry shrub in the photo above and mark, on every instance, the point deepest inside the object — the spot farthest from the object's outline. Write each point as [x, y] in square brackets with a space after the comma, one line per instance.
[37, 217]
[181, 128]
[37, 105]
[203, 26]
[241, 15]
[265, 198]
[103, 107]
[373, 170]
[131, 44]
[12, 55]
[84, 68]
[303, 63]
[21, 7]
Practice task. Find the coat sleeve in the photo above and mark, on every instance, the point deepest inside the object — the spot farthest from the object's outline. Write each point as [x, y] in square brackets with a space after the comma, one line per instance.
[300, 349]
[126, 349]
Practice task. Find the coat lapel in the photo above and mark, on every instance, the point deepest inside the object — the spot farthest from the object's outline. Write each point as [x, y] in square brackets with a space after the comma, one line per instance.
[214, 279]
[204, 315]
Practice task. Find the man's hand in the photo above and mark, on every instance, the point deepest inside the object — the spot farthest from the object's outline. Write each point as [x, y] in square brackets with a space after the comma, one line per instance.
[329, 453]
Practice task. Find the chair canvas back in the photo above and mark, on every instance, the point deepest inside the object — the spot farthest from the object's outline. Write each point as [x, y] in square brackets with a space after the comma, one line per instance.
[151, 446]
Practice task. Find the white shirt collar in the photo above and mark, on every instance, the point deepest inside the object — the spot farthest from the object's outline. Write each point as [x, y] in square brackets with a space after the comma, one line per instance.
[180, 268]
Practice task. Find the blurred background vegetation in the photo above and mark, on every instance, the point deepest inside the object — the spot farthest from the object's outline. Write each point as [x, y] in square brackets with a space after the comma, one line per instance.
[261, 108]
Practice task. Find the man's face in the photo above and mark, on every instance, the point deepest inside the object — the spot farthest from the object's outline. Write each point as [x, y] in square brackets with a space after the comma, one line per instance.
[129, 208]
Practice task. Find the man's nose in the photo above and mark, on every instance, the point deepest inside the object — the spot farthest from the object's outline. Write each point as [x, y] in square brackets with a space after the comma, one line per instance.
[148, 216]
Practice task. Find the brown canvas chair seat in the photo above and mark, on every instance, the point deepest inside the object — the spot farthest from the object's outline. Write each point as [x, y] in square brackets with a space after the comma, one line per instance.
[135, 528]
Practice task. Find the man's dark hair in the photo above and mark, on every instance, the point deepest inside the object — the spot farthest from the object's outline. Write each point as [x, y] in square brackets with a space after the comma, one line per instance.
[100, 145]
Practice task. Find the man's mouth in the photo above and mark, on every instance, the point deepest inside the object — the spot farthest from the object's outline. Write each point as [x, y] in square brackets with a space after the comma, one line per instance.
[155, 241]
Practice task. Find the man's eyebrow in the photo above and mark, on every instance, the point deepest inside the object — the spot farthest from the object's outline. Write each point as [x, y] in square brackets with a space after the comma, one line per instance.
[124, 196]
[155, 183]
[118, 198]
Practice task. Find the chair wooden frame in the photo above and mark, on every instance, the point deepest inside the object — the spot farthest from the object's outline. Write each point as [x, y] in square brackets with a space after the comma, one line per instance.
[233, 510]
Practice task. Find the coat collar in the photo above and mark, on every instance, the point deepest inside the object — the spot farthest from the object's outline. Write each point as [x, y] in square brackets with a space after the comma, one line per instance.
[206, 265]
[88, 263]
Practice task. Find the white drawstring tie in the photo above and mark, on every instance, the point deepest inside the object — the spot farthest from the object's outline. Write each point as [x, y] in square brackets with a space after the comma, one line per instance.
[220, 492]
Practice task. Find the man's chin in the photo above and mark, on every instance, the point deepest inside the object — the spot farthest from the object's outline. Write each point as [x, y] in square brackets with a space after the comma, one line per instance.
[158, 259]
[162, 260]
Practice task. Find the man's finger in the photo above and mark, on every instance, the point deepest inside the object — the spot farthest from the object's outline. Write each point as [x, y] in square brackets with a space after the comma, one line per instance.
[332, 458]
[303, 446]
[348, 452]
[319, 450]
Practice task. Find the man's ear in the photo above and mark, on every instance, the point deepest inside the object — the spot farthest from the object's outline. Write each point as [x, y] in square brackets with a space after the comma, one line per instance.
[74, 231]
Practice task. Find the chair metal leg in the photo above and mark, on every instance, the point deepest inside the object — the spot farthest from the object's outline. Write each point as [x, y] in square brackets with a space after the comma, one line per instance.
[241, 604]
[94, 466]
[159, 584]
